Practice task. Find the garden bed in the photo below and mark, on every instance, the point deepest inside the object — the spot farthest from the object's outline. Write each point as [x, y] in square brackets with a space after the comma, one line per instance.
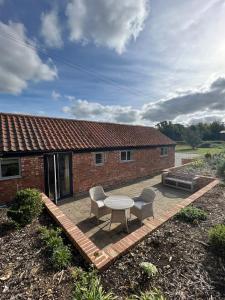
[188, 269]
[25, 273]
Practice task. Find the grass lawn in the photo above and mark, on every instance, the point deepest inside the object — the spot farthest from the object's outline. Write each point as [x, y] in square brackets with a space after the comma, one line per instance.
[214, 149]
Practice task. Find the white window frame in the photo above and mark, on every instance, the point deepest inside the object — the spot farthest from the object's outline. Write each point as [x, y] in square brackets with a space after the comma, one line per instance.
[126, 160]
[103, 158]
[165, 153]
[10, 177]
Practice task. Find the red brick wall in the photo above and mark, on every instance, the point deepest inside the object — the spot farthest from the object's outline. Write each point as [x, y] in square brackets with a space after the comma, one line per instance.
[86, 174]
[145, 162]
[32, 175]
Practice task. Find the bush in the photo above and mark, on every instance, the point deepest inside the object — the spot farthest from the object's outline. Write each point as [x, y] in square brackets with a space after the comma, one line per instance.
[61, 257]
[191, 214]
[149, 268]
[217, 237]
[60, 254]
[28, 205]
[221, 168]
[208, 156]
[88, 287]
[155, 294]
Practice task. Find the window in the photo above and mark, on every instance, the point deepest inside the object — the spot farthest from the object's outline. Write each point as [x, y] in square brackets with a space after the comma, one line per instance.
[125, 155]
[164, 151]
[99, 158]
[9, 167]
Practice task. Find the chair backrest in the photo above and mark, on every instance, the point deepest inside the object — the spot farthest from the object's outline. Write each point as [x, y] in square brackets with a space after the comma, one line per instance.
[147, 195]
[97, 193]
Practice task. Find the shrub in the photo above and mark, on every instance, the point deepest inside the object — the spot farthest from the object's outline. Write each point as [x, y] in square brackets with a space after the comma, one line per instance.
[28, 205]
[149, 268]
[191, 214]
[155, 294]
[88, 287]
[208, 156]
[217, 237]
[60, 255]
[221, 168]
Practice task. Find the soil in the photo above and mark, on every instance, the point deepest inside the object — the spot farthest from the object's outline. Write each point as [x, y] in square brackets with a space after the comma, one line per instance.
[187, 266]
[25, 271]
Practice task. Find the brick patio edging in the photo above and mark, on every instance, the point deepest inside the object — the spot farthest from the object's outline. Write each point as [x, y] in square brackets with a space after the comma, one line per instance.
[103, 258]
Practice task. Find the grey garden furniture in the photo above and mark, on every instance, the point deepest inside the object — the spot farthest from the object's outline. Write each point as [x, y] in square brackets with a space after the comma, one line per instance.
[98, 207]
[143, 205]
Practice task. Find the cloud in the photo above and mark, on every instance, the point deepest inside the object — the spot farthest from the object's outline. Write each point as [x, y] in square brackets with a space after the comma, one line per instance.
[83, 109]
[110, 23]
[205, 104]
[56, 95]
[51, 30]
[210, 99]
[20, 62]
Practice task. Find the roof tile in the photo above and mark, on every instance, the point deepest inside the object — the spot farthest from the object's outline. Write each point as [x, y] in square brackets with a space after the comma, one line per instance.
[22, 133]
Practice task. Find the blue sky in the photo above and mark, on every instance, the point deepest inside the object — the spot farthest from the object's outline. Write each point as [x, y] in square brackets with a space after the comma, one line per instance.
[124, 61]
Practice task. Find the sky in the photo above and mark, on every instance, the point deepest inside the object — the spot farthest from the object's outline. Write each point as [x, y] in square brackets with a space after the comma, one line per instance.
[137, 62]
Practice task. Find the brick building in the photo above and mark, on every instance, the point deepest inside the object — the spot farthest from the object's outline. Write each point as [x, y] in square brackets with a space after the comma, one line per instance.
[63, 157]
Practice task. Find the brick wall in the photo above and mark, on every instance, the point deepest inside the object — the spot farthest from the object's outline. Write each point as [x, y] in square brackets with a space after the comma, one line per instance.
[32, 175]
[145, 162]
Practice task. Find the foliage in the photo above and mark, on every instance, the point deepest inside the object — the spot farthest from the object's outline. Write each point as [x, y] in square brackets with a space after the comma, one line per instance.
[221, 168]
[191, 214]
[217, 237]
[192, 137]
[149, 268]
[155, 294]
[208, 155]
[61, 257]
[27, 206]
[207, 131]
[197, 164]
[60, 254]
[88, 286]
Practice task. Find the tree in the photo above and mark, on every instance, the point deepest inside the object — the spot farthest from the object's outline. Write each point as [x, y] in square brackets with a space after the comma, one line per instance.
[192, 137]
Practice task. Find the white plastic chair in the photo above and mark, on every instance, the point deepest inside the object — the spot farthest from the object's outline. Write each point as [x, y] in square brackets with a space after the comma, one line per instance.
[143, 205]
[98, 207]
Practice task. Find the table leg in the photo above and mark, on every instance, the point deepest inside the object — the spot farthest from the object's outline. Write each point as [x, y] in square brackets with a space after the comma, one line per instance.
[119, 216]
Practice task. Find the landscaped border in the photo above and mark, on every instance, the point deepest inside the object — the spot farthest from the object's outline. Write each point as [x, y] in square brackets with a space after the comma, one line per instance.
[101, 259]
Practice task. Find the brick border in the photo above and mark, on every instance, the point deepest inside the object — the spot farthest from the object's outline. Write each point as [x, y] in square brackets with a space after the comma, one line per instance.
[101, 259]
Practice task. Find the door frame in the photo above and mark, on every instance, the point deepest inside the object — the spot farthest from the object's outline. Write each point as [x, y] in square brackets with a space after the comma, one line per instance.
[56, 175]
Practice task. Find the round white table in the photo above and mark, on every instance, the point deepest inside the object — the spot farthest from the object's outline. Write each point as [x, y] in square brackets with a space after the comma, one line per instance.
[119, 205]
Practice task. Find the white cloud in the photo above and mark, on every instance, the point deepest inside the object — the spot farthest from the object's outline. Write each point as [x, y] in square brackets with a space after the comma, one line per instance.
[20, 62]
[51, 30]
[83, 109]
[200, 105]
[56, 95]
[110, 23]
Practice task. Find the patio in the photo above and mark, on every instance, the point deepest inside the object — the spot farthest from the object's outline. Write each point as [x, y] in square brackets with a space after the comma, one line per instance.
[78, 211]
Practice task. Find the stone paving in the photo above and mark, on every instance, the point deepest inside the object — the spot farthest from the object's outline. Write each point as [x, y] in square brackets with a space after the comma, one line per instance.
[78, 211]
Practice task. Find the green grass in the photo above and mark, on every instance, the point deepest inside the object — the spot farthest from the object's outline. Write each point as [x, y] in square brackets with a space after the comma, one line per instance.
[217, 148]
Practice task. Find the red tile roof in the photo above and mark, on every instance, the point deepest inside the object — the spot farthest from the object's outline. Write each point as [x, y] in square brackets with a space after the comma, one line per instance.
[22, 133]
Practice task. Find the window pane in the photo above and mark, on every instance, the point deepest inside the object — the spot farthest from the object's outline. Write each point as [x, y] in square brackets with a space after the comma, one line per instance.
[123, 155]
[128, 155]
[98, 158]
[10, 167]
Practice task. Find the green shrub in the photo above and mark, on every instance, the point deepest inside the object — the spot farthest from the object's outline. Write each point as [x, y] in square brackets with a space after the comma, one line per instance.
[208, 156]
[88, 287]
[217, 237]
[155, 294]
[28, 205]
[60, 254]
[149, 268]
[61, 257]
[191, 214]
[220, 167]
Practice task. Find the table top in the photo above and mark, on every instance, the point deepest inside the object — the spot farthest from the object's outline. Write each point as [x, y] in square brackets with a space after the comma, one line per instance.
[118, 202]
